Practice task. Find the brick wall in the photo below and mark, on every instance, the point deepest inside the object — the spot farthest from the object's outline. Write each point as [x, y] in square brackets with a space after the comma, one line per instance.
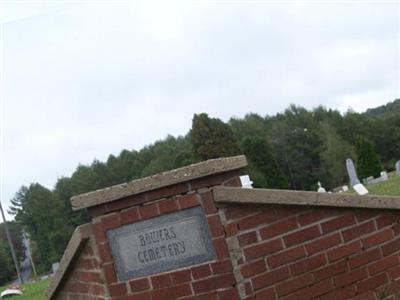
[213, 280]
[282, 252]
[270, 247]
[85, 281]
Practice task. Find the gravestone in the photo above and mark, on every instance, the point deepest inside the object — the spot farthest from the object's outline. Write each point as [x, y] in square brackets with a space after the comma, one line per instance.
[398, 167]
[351, 170]
[384, 176]
[160, 244]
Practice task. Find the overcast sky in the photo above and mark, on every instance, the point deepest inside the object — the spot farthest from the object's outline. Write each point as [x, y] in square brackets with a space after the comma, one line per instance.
[82, 81]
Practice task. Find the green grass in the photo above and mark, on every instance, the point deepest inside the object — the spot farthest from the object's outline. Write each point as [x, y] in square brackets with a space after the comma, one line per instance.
[33, 291]
[386, 188]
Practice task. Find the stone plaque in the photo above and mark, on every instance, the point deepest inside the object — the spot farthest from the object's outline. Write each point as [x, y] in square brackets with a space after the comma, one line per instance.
[160, 244]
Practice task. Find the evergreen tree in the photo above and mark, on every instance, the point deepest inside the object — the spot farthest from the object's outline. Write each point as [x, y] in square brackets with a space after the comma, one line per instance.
[367, 160]
[264, 170]
[212, 138]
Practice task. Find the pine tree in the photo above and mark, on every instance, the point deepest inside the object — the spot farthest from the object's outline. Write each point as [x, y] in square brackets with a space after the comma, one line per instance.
[212, 138]
[264, 170]
[368, 161]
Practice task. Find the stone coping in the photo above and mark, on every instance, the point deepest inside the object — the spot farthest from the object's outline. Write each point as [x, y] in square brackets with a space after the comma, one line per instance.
[79, 238]
[194, 171]
[286, 197]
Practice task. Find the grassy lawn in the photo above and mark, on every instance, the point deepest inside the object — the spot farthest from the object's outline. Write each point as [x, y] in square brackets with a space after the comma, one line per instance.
[33, 291]
[386, 188]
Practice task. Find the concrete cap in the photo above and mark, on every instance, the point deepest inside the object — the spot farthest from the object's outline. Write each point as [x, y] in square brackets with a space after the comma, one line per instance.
[184, 174]
[78, 240]
[305, 198]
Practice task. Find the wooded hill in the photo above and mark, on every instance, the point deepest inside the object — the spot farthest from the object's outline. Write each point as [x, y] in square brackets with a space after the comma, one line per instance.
[294, 150]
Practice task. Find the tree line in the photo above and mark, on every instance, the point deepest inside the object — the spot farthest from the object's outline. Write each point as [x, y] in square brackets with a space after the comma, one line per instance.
[290, 150]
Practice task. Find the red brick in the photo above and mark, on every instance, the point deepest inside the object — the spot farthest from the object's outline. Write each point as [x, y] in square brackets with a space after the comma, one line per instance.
[148, 211]
[254, 267]
[313, 216]
[161, 281]
[172, 190]
[323, 243]
[129, 215]
[209, 296]
[338, 223]
[213, 283]
[378, 238]
[364, 258]
[286, 211]
[394, 273]
[278, 228]
[358, 231]
[387, 219]
[258, 219]
[208, 203]
[172, 292]
[201, 271]
[235, 212]
[270, 278]
[109, 273]
[351, 277]
[221, 248]
[344, 251]
[212, 180]
[139, 285]
[365, 214]
[330, 271]
[286, 257]
[392, 289]
[263, 249]
[111, 221]
[231, 229]
[104, 251]
[316, 290]
[248, 288]
[99, 233]
[215, 226]
[383, 264]
[220, 267]
[167, 206]
[88, 250]
[247, 238]
[268, 294]
[396, 229]
[293, 285]
[302, 236]
[138, 296]
[87, 276]
[391, 247]
[308, 264]
[230, 294]
[188, 201]
[87, 264]
[339, 294]
[181, 276]
[372, 283]
[233, 182]
[117, 289]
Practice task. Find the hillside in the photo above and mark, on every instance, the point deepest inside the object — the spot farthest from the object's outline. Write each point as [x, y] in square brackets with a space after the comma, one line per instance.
[384, 110]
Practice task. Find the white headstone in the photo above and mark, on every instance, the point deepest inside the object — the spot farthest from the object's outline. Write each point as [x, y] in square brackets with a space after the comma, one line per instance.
[246, 182]
[351, 170]
[55, 267]
[345, 188]
[360, 189]
[384, 175]
[320, 188]
[398, 167]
